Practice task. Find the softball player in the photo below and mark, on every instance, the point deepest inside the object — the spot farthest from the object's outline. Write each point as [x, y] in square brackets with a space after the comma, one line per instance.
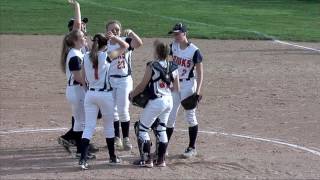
[121, 82]
[71, 60]
[188, 57]
[161, 76]
[68, 139]
[99, 96]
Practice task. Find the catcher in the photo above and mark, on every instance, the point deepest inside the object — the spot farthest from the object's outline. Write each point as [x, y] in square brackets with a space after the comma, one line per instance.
[160, 78]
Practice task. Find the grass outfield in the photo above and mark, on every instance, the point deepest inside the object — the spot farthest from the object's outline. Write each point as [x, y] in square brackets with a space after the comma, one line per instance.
[296, 20]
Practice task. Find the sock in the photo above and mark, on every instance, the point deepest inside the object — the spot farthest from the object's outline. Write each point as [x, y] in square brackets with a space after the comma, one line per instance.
[84, 148]
[116, 125]
[169, 133]
[110, 145]
[146, 148]
[162, 151]
[78, 136]
[193, 132]
[125, 128]
[70, 134]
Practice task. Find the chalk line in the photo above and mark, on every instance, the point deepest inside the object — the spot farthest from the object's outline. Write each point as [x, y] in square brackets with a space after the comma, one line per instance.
[280, 142]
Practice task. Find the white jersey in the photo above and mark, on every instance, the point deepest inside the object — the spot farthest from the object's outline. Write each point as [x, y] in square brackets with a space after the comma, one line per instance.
[73, 63]
[121, 66]
[97, 79]
[160, 88]
[186, 59]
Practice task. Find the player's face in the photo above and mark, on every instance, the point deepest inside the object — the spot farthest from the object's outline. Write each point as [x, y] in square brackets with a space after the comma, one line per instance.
[84, 27]
[115, 29]
[179, 36]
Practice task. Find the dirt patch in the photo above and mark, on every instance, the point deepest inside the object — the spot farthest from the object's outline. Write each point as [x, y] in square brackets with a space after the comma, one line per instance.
[255, 88]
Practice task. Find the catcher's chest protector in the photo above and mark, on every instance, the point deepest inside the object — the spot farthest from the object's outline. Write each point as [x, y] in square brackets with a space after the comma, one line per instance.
[162, 77]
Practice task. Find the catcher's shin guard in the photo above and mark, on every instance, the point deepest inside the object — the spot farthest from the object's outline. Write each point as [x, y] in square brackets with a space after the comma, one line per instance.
[159, 130]
[143, 145]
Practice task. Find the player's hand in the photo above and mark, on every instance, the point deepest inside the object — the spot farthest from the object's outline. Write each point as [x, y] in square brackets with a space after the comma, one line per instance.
[73, 2]
[110, 35]
[127, 32]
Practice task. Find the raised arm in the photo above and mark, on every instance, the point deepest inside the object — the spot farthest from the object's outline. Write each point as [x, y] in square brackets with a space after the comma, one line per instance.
[136, 40]
[123, 45]
[77, 14]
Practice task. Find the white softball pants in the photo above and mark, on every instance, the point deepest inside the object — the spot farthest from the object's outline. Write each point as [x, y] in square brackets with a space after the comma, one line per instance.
[187, 88]
[157, 108]
[121, 89]
[95, 100]
[75, 96]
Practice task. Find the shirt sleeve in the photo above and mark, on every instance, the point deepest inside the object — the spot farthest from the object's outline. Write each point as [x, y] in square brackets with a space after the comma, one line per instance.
[75, 63]
[197, 57]
[129, 40]
[171, 53]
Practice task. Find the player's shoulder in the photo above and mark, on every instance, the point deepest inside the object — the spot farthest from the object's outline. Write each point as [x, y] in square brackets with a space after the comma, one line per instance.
[193, 46]
[75, 52]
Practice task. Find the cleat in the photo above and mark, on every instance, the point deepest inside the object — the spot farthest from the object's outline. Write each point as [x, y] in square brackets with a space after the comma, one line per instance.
[127, 146]
[189, 152]
[139, 162]
[115, 160]
[118, 143]
[149, 163]
[83, 165]
[65, 143]
[160, 163]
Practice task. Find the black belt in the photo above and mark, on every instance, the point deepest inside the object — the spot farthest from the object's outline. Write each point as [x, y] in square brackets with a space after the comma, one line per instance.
[107, 90]
[188, 79]
[119, 76]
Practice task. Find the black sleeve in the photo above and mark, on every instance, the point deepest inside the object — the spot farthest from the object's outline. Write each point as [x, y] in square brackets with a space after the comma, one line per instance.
[171, 53]
[197, 57]
[75, 63]
[129, 40]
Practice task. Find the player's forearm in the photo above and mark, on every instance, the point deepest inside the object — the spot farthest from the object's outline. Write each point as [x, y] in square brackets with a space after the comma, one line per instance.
[77, 16]
[199, 70]
[136, 40]
[123, 45]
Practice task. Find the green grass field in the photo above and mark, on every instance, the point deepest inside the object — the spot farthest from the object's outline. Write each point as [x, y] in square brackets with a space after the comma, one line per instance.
[297, 20]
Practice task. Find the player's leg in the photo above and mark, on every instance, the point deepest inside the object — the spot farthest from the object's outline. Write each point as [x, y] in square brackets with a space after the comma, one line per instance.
[190, 117]
[173, 114]
[75, 96]
[147, 118]
[107, 104]
[91, 112]
[116, 124]
[161, 132]
[123, 110]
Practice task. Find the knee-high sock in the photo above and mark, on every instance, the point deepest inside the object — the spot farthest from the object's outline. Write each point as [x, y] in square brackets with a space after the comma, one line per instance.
[84, 148]
[116, 125]
[125, 128]
[78, 136]
[162, 151]
[169, 133]
[110, 145]
[193, 132]
[70, 134]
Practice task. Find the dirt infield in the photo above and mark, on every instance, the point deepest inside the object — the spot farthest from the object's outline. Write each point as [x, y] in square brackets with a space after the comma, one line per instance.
[266, 91]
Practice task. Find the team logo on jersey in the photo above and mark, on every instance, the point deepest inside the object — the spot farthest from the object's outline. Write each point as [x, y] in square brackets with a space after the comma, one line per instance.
[182, 62]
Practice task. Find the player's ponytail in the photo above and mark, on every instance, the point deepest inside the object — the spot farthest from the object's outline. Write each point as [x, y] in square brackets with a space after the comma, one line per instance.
[67, 44]
[161, 49]
[99, 41]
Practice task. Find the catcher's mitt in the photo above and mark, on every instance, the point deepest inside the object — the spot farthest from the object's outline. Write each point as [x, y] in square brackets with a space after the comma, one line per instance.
[141, 100]
[191, 102]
